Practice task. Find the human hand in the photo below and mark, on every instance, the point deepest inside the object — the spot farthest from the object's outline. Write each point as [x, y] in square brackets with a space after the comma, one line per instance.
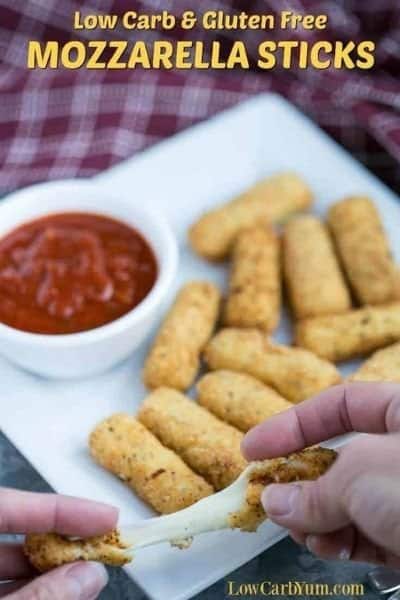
[353, 511]
[25, 512]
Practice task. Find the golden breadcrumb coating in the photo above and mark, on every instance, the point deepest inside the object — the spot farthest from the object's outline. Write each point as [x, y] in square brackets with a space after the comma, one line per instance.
[174, 358]
[271, 200]
[350, 334]
[383, 365]
[50, 550]
[209, 446]
[364, 250]
[312, 272]
[255, 284]
[295, 373]
[306, 465]
[239, 399]
[127, 449]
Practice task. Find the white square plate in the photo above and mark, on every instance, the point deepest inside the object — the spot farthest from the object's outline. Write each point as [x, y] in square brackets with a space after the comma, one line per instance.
[49, 421]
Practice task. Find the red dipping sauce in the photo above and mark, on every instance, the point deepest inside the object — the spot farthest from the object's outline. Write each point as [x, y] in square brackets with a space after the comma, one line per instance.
[72, 272]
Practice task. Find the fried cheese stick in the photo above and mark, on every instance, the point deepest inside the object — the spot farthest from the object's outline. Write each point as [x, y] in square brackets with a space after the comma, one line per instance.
[174, 358]
[254, 298]
[364, 250]
[127, 449]
[383, 365]
[236, 507]
[309, 464]
[239, 399]
[293, 372]
[312, 273]
[271, 200]
[351, 334]
[206, 444]
[47, 551]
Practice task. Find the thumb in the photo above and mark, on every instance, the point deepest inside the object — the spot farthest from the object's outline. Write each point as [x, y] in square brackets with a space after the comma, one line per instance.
[361, 488]
[79, 581]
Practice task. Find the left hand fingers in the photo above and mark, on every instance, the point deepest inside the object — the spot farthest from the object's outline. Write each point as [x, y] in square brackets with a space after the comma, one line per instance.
[13, 563]
[27, 512]
[76, 581]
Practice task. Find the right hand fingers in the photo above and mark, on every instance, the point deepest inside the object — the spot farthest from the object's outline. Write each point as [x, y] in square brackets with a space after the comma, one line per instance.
[361, 488]
[79, 581]
[350, 544]
[359, 406]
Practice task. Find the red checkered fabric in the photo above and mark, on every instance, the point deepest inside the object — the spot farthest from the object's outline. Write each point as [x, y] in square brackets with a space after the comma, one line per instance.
[66, 123]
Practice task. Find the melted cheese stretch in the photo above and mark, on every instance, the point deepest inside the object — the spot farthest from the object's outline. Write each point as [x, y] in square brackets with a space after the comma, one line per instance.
[237, 507]
[164, 54]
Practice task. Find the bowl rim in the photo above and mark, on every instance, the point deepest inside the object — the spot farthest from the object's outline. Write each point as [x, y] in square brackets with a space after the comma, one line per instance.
[166, 270]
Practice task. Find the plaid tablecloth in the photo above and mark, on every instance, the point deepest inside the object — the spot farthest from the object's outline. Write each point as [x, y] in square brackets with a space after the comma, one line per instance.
[67, 123]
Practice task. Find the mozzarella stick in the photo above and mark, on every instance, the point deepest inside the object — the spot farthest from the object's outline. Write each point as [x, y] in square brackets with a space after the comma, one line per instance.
[350, 334]
[255, 288]
[364, 250]
[123, 446]
[312, 273]
[271, 200]
[307, 465]
[239, 506]
[209, 446]
[46, 551]
[174, 358]
[293, 372]
[383, 365]
[239, 399]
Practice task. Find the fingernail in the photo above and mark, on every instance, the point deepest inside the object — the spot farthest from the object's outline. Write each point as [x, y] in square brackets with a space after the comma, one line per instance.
[243, 446]
[279, 500]
[247, 444]
[90, 576]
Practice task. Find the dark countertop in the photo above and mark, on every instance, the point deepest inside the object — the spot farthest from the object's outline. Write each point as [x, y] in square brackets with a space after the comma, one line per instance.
[284, 562]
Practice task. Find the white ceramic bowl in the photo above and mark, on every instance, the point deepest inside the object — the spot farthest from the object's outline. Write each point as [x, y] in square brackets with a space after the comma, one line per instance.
[94, 351]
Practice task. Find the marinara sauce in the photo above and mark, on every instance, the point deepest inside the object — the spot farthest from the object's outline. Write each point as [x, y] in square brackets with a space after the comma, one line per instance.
[72, 272]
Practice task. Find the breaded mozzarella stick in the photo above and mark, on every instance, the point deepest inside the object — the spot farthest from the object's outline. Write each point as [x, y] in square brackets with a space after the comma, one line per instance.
[350, 334]
[313, 277]
[271, 200]
[124, 447]
[255, 285]
[174, 358]
[307, 465]
[364, 250]
[238, 506]
[239, 399]
[47, 551]
[383, 365]
[209, 446]
[297, 374]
